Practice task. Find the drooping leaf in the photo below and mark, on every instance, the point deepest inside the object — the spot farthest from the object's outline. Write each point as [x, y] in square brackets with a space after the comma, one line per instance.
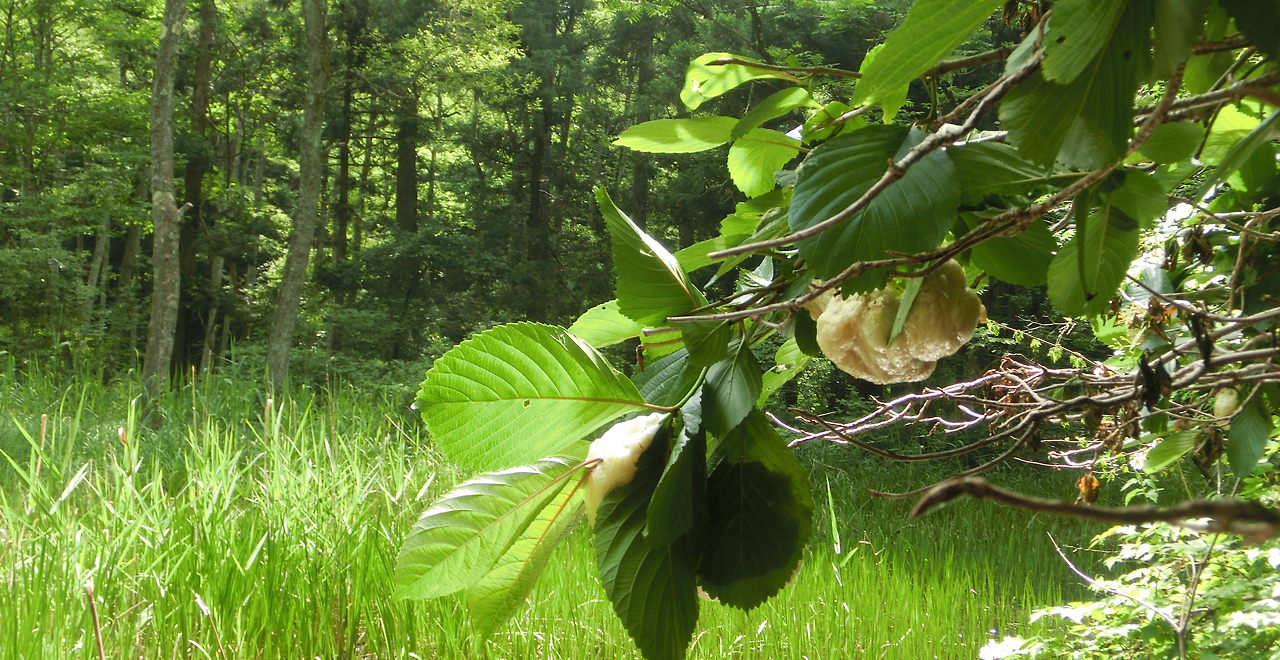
[668, 380]
[1078, 31]
[755, 157]
[911, 215]
[1259, 20]
[463, 534]
[677, 136]
[779, 103]
[705, 81]
[653, 589]
[651, 283]
[519, 392]
[760, 514]
[679, 500]
[1178, 24]
[733, 385]
[497, 596]
[789, 361]
[1141, 197]
[1247, 438]
[931, 30]
[603, 325]
[891, 100]
[1023, 259]
[807, 334]
[1240, 153]
[909, 292]
[1070, 295]
[991, 168]
[1172, 142]
[707, 342]
[1169, 450]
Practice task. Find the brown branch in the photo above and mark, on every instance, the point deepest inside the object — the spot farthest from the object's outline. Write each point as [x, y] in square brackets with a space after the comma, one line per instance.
[1233, 42]
[790, 70]
[948, 66]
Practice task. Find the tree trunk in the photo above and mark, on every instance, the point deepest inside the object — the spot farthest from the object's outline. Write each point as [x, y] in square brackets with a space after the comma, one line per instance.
[642, 171]
[407, 166]
[310, 167]
[164, 212]
[100, 244]
[342, 213]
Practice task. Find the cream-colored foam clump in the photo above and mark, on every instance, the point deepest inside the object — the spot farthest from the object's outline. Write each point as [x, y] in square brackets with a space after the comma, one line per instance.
[854, 332]
[618, 450]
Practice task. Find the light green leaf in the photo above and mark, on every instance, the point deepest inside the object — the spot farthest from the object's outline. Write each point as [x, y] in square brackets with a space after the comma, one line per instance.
[1173, 142]
[1073, 297]
[1169, 450]
[678, 136]
[651, 283]
[1141, 197]
[753, 159]
[1023, 259]
[519, 392]
[829, 112]
[733, 385]
[1178, 24]
[1230, 127]
[668, 380]
[695, 256]
[911, 215]
[679, 500]
[1239, 153]
[1078, 31]
[653, 589]
[1247, 438]
[705, 81]
[891, 100]
[604, 325]
[991, 168]
[760, 512]
[497, 596]
[463, 534]
[908, 298]
[932, 29]
[778, 104]
[789, 361]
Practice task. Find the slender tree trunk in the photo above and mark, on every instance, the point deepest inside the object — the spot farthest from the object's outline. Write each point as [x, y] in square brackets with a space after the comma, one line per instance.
[211, 324]
[357, 232]
[311, 169]
[407, 166]
[164, 212]
[342, 213]
[100, 244]
[642, 171]
[435, 145]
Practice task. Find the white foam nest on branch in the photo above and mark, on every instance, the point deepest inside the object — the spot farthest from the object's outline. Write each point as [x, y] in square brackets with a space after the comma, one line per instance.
[854, 332]
[618, 451]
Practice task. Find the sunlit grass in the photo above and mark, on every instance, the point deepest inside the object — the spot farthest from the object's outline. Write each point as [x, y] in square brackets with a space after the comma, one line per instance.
[233, 528]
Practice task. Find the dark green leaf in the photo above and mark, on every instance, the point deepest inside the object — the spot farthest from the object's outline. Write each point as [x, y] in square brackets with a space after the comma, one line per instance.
[1078, 31]
[806, 333]
[603, 325]
[778, 104]
[705, 81]
[668, 380]
[754, 158]
[1247, 438]
[760, 511]
[1023, 259]
[1118, 238]
[1178, 24]
[733, 385]
[707, 341]
[1173, 142]
[679, 500]
[519, 392]
[991, 168]
[1141, 197]
[651, 283]
[1256, 172]
[653, 589]
[911, 215]
[1259, 20]
[678, 136]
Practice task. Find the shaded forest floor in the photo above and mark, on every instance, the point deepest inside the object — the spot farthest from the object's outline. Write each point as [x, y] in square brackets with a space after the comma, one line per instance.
[229, 527]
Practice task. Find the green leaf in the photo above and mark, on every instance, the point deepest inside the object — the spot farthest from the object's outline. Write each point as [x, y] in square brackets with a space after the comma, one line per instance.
[760, 512]
[1078, 31]
[1087, 123]
[695, 256]
[1117, 238]
[733, 385]
[463, 534]
[497, 596]
[668, 380]
[1259, 20]
[651, 283]
[1178, 24]
[807, 333]
[931, 30]
[603, 325]
[1173, 142]
[909, 292]
[892, 100]
[911, 215]
[1230, 127]
[829, 112]
[1141, 197]
[991, 168]
[1023, 259]
[1247, 438]
[679, 500]
[1256, 172]
[519, 392]
[789, 361]
[705, 81]
[753, 159]
[678, 136]
[708, 342]
[778, 104]
[653, 589]
[1169, 450]
[1239, 154]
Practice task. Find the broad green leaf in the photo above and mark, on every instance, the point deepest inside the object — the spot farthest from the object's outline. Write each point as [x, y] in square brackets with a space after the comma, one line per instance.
[991, 168]
[1069, 295]
[1203, 71]
[677, 136]
[1078, 31]
[695, 256]
[1178, 24]
[1087, 123]
[705, 81]
[789, 361]
[1239, 154]
[496, 597]
[829, 112]
[679, 500]
[754, 158]
[603, 325]
[911, 215]
[1173, 142]
[733, 385]
[891, 100]
[519, 392]
[757, 206]
[1247, 438]
[778, 104]
[1023, 259]
[653, 589]
[931, 30]
[668, 380]
[707, 342]
[1256, 172]
[651, 283]
[760, 514]
[1230, 127]
[463, 534]
[1259, 20]
[1169, 450]
[1141, 197]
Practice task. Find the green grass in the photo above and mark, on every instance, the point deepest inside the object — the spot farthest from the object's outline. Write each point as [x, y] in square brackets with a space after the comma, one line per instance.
[227, 528]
